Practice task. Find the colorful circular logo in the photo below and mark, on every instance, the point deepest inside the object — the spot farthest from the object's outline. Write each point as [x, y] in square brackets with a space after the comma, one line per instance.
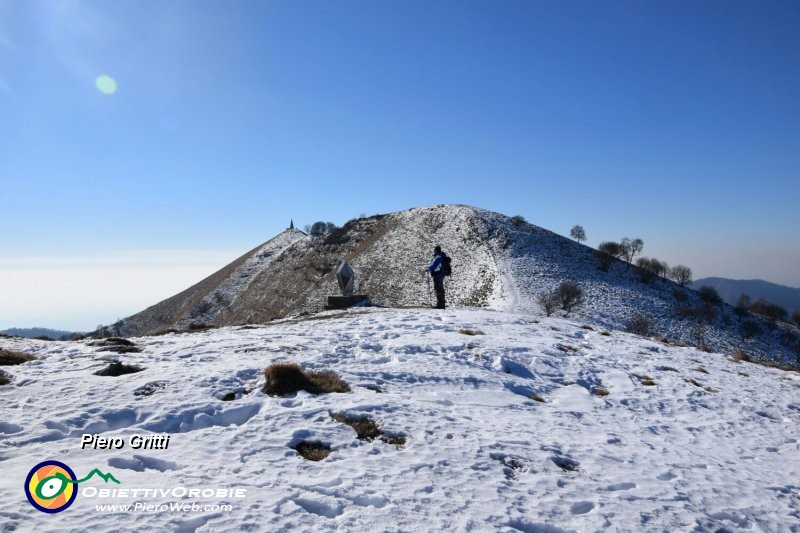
[51, 487]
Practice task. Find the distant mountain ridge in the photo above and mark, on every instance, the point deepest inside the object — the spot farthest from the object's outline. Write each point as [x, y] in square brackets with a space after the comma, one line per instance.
[731, 289]
[499, 262]
[31, 333]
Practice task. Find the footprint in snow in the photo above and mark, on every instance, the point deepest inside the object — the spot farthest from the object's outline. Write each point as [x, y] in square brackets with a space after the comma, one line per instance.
[581, 507]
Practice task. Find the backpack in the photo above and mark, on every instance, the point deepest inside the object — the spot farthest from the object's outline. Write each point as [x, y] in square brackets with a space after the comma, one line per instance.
[446, 268]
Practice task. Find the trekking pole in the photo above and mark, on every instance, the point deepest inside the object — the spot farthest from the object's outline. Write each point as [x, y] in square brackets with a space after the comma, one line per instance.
[428, 278]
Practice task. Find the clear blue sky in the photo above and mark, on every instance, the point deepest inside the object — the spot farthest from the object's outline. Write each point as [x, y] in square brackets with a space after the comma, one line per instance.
[677, 122]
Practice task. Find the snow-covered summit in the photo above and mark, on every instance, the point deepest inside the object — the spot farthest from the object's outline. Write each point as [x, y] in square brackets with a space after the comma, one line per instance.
[499, 262]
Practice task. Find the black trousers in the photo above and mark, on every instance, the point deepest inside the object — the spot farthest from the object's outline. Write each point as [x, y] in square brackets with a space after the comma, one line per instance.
[438, 286]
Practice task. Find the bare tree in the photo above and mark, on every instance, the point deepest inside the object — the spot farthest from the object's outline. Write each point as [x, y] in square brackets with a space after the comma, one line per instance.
[681, 274]
[603, 260]
[605, 254]
[570, 295]
[639, 324]
[631, 248]
[578, 233]
[647, 269]
[611, 248]
[321, 228]
[549, 301]
[770, 310]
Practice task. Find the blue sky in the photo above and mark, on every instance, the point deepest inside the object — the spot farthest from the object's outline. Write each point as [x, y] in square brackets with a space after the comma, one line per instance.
[677, 122]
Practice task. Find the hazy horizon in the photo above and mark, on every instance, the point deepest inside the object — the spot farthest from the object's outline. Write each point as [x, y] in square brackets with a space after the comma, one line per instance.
[198, 130]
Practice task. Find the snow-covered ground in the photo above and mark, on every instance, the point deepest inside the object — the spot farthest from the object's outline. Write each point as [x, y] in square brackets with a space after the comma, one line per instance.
[710, 445]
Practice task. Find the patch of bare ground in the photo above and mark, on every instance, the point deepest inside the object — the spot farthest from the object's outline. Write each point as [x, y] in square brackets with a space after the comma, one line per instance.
[116, 368]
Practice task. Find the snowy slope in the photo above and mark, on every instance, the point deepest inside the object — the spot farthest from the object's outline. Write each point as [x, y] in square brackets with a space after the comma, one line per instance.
[710, 445]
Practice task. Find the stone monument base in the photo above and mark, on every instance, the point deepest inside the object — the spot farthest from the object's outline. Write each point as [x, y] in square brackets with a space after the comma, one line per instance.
[343, 302]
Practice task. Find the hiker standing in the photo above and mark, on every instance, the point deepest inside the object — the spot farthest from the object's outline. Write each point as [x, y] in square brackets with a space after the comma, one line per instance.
[437, 273]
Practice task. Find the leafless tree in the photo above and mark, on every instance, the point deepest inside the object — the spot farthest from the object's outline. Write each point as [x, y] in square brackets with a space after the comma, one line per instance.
[631, 248]
[681, 274]
[570, 295]
[578, 233]
[549, 301]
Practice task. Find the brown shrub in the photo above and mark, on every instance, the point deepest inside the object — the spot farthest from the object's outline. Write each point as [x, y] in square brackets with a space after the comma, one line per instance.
[647, 381]
[5, 378]
[313, 451]
[466, 331]
[286, 378]
[600, 391]
[8, 358]
[538, 398]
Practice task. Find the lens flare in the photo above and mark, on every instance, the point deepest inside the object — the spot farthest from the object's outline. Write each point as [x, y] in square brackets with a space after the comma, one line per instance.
[106, 84]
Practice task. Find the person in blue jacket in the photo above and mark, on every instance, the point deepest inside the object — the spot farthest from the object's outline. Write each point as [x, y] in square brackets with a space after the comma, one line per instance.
[435, 269]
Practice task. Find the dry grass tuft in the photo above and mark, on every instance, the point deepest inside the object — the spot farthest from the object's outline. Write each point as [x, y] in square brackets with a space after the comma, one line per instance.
[745, 374]
[313, 451]
[395, 440]
[709, 389]
[116, 368]
[606, 333]
[8, 358]
[587, 326]
[538, 398]
[740, 356]
[366, 428]
[164, 331]
[566, 348]
[701, 369]
[5, 378]
[467, 331]
[286, 378]
[199, 328]
[667, 369]
[600, 391]
[324, 381]
[647, 381]
[694, 382]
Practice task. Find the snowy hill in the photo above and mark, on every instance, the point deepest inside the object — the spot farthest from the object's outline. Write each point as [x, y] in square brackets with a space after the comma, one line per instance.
[510, 423]
[498, 263]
